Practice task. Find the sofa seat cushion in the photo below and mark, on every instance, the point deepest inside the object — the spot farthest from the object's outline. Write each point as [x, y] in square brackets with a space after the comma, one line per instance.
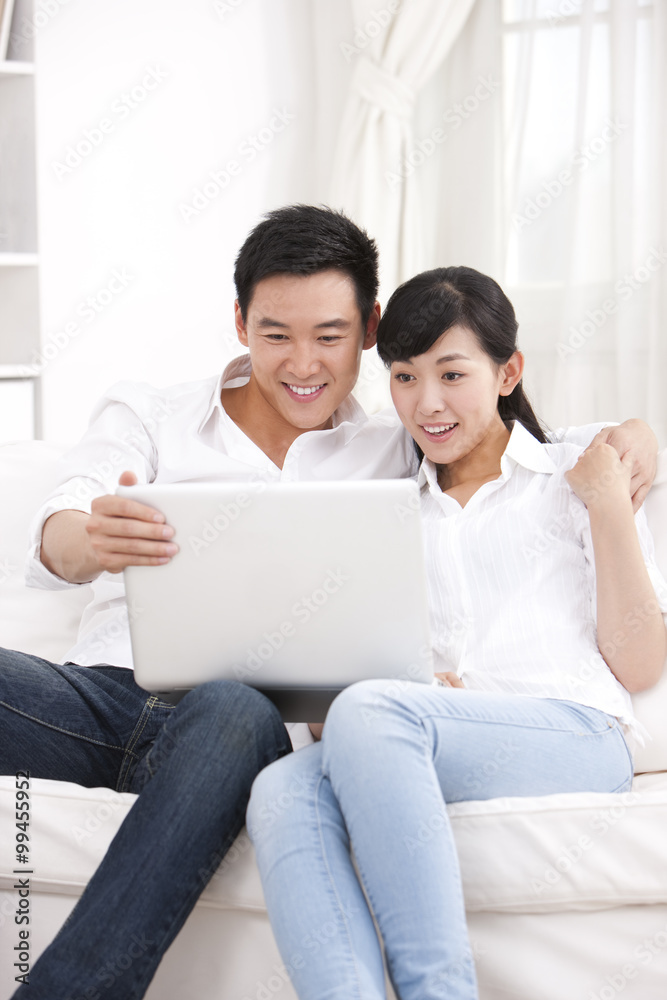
[43, 622]
[519, 855]
[564, 852]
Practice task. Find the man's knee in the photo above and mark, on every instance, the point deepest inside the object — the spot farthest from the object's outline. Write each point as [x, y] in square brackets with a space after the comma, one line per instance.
[234, 700]
[227, 717]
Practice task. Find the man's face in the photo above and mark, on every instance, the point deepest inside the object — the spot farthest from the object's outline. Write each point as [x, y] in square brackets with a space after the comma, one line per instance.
[305, 338]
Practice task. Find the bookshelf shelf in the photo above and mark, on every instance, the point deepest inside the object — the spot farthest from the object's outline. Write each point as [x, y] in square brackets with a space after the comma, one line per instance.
[20, 336]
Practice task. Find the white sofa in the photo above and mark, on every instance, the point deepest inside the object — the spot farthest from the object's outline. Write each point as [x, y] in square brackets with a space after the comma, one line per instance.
[566, 894]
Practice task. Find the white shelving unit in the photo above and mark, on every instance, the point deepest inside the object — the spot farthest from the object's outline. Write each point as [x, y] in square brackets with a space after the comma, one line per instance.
[20, 410]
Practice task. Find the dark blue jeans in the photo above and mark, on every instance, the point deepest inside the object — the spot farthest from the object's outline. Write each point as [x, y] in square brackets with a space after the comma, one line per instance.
[192, 766]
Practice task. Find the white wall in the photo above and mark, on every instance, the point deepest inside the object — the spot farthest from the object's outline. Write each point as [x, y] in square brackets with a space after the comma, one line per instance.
[219, 72]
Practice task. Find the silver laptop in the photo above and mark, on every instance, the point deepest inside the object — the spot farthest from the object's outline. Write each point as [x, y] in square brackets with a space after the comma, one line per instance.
[298, 589]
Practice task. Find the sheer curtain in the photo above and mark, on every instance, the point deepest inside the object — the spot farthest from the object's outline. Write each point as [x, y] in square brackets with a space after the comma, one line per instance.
[396, 51]
[585, 232]
[554, 183]
[380, 158]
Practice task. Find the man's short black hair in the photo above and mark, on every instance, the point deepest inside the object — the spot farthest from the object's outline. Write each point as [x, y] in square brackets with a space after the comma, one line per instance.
[303, 240]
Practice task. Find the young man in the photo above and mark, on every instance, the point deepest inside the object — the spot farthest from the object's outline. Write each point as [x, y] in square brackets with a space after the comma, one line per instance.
[306, 280]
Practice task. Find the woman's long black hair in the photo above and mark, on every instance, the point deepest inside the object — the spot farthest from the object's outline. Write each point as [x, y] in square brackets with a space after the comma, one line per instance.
[426, 306]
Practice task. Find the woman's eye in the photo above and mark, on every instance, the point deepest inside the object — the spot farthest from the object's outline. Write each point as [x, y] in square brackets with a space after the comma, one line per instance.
[452, 376]
[403, 377]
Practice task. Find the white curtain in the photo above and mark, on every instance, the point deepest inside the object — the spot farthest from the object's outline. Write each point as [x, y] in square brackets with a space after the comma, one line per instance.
[554, 183]
[395, 55]
[585, 221]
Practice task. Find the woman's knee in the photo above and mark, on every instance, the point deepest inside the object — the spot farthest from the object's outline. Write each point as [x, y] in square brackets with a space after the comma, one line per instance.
[361, 710]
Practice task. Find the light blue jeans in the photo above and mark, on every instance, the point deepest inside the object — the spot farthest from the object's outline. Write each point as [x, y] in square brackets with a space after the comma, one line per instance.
[392, 755]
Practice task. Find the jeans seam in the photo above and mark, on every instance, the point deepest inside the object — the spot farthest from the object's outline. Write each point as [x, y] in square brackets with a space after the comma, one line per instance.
[616, 728]
[59, 729]
[332, 885]
[513, 725]
[129, 754]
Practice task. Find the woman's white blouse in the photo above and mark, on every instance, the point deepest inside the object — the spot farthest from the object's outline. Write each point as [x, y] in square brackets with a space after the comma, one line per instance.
[511, 581]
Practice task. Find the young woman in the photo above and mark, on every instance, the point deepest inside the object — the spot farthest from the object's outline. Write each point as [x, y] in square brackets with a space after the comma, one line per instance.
[544, 614]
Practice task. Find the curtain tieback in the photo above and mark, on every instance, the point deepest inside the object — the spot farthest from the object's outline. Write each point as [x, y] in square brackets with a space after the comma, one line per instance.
[380, 88]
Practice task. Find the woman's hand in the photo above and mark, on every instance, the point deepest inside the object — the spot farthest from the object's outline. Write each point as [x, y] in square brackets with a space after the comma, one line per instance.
[635, 441]
[601, 476]
[450, 679]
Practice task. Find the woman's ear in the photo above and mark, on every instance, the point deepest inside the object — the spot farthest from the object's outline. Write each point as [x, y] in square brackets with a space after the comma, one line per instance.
[511, 373]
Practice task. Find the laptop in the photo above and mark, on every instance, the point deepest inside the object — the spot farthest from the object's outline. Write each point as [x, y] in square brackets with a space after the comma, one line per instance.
[298, 589]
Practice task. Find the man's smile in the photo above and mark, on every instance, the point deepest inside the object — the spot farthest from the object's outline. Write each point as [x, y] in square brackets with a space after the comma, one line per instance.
[304, 393]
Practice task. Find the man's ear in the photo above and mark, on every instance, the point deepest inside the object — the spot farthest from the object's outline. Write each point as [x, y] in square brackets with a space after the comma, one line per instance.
[370, 337]
[511, 373]
[239, 323]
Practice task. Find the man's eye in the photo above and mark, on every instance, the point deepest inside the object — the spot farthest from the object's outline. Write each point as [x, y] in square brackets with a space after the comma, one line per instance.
[276, 336]
[330, 338]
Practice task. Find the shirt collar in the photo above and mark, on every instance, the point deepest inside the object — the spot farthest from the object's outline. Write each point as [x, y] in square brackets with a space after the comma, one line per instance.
[238, 371]
[522, 449]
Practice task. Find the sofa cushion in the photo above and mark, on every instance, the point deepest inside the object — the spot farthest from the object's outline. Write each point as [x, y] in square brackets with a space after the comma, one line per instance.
[577, 851]
[35, 621]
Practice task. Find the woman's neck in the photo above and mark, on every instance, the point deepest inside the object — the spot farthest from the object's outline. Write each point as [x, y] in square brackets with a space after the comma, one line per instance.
[462, 478]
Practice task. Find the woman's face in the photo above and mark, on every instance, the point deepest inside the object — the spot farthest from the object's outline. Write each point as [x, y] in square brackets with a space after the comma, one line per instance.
[447, 398]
